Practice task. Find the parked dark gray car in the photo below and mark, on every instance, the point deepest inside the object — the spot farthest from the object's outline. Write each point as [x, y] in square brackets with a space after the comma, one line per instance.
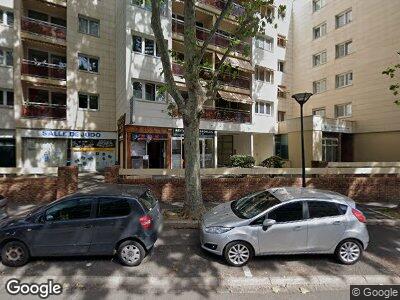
[103, 221]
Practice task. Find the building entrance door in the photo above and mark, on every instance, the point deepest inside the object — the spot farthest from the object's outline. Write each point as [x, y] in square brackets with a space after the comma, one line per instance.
[156, 154]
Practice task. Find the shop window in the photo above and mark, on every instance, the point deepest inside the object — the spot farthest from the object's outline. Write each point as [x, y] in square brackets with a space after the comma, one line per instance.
[89, 26]
[7, 153]
[88, 101]
[282, 146]
[87, 63]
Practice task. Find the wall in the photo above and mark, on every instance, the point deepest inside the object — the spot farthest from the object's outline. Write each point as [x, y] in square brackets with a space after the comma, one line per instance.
[382, 146]
[361, 189]
[294, 140]
[263, 147]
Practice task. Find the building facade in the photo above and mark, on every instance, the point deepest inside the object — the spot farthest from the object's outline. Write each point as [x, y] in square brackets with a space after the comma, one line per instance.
[80, 84]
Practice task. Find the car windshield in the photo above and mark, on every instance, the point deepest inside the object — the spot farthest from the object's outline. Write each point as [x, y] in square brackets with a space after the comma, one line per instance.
[254, 204]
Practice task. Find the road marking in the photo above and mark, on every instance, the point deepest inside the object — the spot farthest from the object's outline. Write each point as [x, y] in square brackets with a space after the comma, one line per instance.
[247, 272]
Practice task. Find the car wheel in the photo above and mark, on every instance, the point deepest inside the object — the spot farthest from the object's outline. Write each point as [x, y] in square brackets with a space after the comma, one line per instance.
[238, 253]
[348, 252]
[14, 254]
[131, 253]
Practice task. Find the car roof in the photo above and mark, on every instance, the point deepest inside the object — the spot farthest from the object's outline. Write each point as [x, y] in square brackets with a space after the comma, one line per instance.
[111, 190]
[292, 193]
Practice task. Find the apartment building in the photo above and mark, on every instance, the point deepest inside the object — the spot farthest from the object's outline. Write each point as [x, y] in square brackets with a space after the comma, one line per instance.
[57, 83]
[340, 49]
[241, 120]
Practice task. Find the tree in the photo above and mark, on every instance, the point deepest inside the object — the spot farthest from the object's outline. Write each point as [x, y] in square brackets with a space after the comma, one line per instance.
[198, 90]
[394, 88]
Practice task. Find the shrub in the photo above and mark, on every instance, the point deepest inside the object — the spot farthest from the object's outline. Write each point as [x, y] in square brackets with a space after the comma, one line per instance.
[273, 162]
[242, 161]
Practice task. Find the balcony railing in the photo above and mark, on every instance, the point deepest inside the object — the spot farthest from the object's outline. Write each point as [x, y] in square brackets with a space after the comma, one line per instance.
[43, 28]
[44, 70]
[218, 40]
[39, 110]
[237, 9]
[226, 115]
[225, 79]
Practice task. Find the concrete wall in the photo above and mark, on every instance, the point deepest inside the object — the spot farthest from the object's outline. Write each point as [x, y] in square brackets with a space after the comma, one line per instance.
[381, 146]
[294, 140]
[263, 147]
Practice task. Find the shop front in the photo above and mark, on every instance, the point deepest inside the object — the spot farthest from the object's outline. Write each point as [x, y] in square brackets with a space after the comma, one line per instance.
[7, 148]
[89, 150]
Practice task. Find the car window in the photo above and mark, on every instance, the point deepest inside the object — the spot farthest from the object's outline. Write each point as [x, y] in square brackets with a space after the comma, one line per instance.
[113, 207]
[147, 200]
[71, 210]
[321, 209]
[287, 213]
[254, 204]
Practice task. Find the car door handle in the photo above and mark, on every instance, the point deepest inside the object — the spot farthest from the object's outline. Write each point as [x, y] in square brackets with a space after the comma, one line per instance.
[337, 223]
[297, 228]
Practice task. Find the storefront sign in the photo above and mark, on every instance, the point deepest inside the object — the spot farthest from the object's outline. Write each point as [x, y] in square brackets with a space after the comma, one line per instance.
[69, 134]
[149, 137]
[340, 128]
[204, 133]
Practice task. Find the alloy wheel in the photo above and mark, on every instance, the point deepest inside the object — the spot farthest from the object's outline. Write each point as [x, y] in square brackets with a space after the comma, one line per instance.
[239, 254]
[349, 252]
[14, 253]
[130, 254]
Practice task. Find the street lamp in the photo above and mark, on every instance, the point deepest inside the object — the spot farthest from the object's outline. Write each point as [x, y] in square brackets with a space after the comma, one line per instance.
[302, 98]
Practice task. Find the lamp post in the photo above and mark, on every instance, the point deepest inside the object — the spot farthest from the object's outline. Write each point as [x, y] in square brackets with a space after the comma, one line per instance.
[302, 98]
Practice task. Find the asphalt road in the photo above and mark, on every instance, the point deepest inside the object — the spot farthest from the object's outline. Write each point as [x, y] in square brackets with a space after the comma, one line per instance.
[177, 255]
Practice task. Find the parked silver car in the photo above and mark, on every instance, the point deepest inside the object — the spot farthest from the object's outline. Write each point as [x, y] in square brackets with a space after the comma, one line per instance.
[285, 221]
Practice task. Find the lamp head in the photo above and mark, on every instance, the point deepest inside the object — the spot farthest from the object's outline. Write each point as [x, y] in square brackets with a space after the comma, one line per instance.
[302, 98]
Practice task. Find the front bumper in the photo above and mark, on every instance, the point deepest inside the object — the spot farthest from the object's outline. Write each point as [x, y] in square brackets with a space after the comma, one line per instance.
[214, 243]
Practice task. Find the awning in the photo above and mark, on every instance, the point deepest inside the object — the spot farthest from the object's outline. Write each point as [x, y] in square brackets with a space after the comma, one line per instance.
[241, 64]
[233, 97]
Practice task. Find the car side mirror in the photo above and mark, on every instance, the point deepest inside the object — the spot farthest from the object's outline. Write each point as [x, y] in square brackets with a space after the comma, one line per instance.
[267, 223]
[49, 218]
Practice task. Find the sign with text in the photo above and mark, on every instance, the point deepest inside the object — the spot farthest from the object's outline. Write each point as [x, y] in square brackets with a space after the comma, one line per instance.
[69, 134]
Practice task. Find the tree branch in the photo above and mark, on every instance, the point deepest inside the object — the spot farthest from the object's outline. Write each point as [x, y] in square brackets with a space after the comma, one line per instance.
[165, 57]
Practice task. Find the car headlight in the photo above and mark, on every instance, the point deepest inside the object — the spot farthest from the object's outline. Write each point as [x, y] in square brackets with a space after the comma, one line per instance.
[217, 229]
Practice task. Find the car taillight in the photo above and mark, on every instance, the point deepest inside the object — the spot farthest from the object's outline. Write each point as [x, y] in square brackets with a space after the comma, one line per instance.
[145, 221]
[359, 215]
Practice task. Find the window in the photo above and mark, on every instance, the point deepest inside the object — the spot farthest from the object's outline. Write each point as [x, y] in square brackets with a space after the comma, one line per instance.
[264, 74]
[281, 91]
[90, 64]
[290, 212]
[265, 43]
[6, 17]
[319, 59]
[6, 98]
[282, 146]
[47, 97]
[58, 98]
[70, 210]
[343, 18]
[6, 57]
[319, 86]
[319, 31]
[33, 14]
[343, 49]
[281, 66]
[252, 205]
[344, 79]
[88, 101]
[263, 108]
[281, 41]
[109, 208]
[152, 92]
[144, 46]
[89, 26]
[149, 47]
[281, 116]
[147, 200]
[343, 110]
[319, 112]
[146, 4]
[330, 149]
[318, 4]
[321, 209]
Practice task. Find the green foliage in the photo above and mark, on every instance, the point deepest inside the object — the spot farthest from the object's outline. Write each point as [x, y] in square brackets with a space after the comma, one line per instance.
[242, 161]
[273, 162]
[391, 73]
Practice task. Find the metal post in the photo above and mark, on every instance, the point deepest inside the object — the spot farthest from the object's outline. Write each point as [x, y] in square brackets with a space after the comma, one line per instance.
[303, 160]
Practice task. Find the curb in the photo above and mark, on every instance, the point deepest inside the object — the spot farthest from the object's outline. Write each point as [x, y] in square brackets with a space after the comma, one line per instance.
[187, 224]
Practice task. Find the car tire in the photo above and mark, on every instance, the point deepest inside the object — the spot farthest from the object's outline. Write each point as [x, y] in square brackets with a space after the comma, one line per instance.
[14, 254]
[131, 253]
[348, 252]
[238, 253]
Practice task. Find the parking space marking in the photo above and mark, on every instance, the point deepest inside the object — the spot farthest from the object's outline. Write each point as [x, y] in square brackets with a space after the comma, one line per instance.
[247, 272]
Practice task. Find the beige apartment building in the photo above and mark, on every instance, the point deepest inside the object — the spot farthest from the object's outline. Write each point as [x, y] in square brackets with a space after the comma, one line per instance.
[79, 80]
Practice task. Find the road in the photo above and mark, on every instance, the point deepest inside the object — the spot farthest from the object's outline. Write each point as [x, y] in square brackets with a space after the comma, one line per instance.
[178, 267]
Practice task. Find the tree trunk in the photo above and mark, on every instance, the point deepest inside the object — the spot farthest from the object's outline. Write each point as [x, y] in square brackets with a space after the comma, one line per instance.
[193, 206]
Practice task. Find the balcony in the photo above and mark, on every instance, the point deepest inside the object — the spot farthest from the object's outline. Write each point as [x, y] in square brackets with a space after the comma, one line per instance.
[43, 70]
[218, 40]
[237, 9]
[43, 28]
[39, 110]
[226, 115]
[236, 81]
